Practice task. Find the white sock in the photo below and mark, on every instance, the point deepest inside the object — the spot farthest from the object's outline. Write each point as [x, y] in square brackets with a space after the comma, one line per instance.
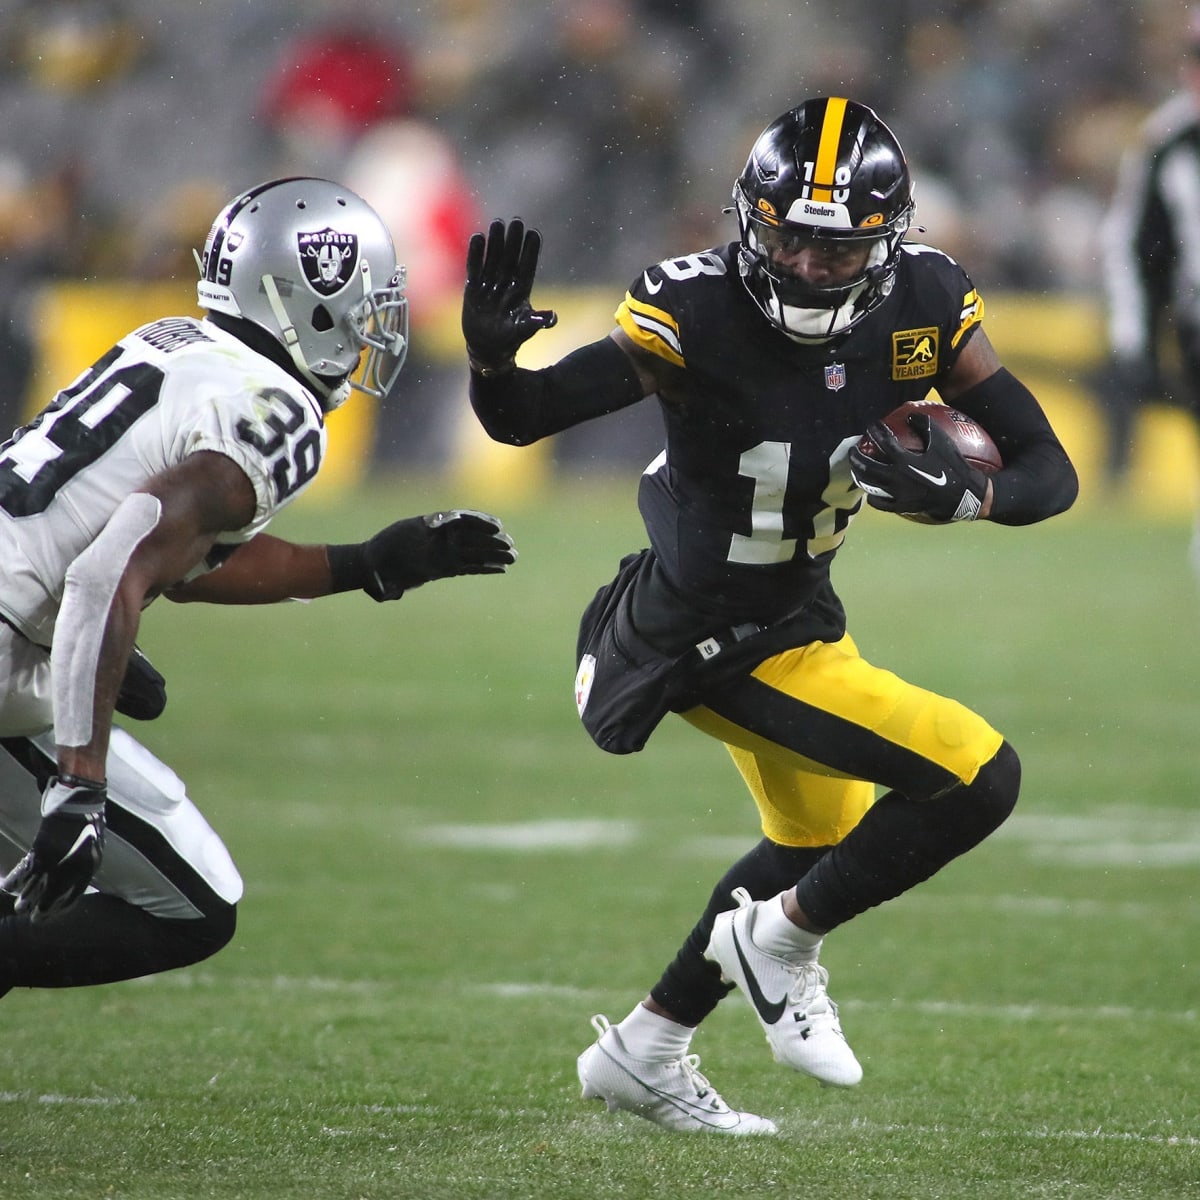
[649, 1036]
[776, 934]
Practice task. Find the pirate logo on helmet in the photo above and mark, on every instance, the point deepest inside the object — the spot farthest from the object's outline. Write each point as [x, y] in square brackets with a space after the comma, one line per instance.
[328, 259]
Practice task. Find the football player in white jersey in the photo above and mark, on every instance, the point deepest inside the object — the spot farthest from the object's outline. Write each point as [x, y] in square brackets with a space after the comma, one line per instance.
[155, 473]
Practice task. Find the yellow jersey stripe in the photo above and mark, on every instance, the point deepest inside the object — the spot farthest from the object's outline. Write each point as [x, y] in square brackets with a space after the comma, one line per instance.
[972, 314]
[827, 148]
[653, 329]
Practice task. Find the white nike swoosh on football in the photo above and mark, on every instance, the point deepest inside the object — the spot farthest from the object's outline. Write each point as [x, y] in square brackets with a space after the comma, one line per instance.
[652, 287]
[937, 480]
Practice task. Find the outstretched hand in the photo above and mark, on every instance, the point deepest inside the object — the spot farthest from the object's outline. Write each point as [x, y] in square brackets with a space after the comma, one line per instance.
[497, 316]
[417, 550]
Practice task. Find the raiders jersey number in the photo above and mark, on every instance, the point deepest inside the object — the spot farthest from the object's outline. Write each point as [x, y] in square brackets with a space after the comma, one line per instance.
[87, 419]
[81, 423]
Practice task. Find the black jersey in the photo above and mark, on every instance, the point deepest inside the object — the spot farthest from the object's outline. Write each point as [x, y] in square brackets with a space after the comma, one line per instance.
[749, 502]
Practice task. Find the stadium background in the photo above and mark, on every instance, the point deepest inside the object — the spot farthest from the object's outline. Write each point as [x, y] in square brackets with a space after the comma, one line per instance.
[444, 877]
[616, 126]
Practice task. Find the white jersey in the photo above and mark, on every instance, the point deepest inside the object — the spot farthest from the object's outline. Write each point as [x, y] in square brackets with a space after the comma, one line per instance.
[1150, 237]
[167, 390]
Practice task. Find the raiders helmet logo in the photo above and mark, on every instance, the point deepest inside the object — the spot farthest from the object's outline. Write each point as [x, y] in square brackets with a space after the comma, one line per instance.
[328, 259]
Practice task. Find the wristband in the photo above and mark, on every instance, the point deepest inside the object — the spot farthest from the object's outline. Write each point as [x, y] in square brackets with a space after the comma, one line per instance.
[78, 781]
[73, 796]
[491, 372]
[347, 568]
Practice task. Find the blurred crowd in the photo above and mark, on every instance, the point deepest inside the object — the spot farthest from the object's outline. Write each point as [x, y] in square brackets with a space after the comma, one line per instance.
[616, 126]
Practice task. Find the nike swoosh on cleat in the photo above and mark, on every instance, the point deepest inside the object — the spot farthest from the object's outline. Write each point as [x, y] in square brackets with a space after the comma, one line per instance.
[769, 1010]
[939, 480]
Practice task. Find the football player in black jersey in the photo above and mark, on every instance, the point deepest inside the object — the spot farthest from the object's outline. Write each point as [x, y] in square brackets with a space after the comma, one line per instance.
[770, 357]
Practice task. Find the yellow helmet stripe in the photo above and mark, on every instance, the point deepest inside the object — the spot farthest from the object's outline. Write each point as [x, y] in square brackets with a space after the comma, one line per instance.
[827, 148]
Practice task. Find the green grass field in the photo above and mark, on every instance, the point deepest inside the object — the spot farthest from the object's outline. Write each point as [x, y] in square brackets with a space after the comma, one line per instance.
[445, 880]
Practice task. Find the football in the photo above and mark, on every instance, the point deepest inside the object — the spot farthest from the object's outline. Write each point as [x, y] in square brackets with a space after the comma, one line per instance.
[973, 441]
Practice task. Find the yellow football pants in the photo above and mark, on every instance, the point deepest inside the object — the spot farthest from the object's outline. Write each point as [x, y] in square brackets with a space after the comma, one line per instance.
[813, 730]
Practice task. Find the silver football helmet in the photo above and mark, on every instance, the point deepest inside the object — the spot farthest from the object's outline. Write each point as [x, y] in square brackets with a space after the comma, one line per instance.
[312, 264]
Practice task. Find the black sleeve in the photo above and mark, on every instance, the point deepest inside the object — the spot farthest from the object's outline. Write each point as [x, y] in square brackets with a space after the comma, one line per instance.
[519, 406]
[1038, 479]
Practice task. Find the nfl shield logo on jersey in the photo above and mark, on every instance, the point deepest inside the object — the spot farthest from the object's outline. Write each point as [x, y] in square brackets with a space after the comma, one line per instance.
[328, 259]
[835, 376]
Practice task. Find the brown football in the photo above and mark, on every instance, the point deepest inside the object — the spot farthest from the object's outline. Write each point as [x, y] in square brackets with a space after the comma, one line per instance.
[973, 441]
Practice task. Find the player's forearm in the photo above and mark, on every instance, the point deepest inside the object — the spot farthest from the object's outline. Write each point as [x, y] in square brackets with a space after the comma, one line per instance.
[510, 406]
[519, 407]
[88, 760]
[103, 593]
[1038, 479]
[1039, 483]
[264, 570]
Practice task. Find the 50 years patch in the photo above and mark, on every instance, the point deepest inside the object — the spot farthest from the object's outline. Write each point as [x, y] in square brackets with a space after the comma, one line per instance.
[914, 353]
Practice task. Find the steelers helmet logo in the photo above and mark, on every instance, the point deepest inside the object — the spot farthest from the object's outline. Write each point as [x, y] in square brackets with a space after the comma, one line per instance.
[328, 259]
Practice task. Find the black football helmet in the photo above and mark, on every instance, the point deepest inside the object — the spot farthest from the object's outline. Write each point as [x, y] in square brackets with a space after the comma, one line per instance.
[827, 171]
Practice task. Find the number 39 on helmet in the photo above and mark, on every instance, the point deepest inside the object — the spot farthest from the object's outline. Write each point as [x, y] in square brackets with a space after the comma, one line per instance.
[312, 263]
[829, 172]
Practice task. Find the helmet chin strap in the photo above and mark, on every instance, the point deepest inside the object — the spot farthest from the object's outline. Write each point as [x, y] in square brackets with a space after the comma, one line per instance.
[291, 340]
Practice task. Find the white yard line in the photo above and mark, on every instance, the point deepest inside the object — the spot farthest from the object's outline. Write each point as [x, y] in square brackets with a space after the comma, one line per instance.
[523, 989]
[1099, 1134]
[531, 836]
[1112, 837]
[935, 1008]
[836, 1128]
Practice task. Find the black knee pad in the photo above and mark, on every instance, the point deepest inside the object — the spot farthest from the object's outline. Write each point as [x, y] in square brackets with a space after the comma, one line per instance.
[993, 792]
[201, 938]
[902, 841]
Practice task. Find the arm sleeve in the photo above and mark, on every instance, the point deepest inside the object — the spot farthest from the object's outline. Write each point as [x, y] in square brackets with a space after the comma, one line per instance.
[520, 406]
[1038, 479]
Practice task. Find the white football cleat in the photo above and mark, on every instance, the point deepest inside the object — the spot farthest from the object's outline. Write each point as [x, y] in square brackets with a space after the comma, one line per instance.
[672, 1094]
[795, 1011]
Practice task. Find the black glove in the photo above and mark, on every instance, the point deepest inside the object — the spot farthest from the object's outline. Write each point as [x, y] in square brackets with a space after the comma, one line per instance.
[497, 316]
[416, 550]
[66, 850]
[934, 486]
[143, 694]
